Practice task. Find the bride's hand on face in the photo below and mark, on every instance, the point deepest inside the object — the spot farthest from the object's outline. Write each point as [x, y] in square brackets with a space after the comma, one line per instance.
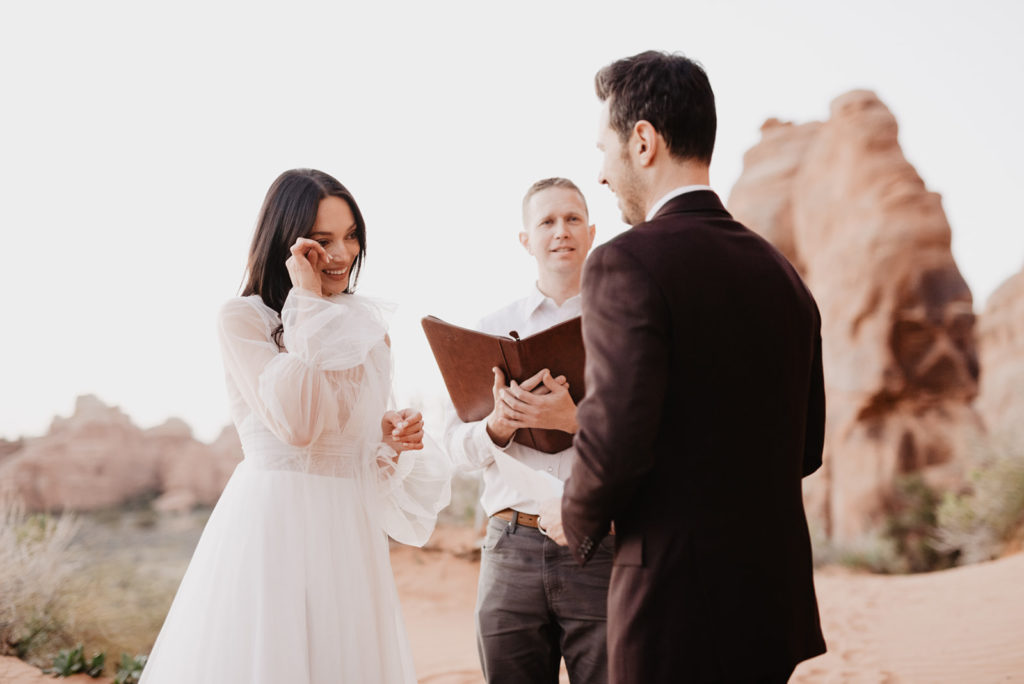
[402, 430]
[304, 265]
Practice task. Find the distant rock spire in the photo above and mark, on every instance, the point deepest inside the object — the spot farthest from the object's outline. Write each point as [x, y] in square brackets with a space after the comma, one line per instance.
[840, 200]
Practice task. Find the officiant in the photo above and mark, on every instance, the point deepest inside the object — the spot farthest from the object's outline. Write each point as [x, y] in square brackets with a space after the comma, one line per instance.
[535, 604]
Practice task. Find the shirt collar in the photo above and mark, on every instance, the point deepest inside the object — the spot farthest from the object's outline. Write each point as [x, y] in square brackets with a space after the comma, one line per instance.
[536, 299]
[671, 194]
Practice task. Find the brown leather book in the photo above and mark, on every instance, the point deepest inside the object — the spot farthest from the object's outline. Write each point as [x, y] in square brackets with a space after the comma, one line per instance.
[466, 357]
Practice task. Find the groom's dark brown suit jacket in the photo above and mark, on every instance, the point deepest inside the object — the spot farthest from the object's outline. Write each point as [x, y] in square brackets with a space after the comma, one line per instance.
[704, 408]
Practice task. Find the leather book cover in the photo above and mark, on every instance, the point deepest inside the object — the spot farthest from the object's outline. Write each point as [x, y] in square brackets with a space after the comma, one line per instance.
[465, 358]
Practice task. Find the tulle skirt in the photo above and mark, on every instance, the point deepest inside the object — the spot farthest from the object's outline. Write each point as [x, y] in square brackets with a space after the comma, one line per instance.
[290, 582]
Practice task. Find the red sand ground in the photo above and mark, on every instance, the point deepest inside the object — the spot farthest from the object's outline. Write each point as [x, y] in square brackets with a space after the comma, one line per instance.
[959, 626]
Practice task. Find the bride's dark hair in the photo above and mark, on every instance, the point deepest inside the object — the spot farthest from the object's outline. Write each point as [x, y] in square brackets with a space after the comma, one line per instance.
[288, 213]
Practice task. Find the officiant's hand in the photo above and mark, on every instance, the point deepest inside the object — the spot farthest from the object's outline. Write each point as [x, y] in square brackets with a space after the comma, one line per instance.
[545, 404]
[501, 422]
[505, 419]
[402, 430]
[550, 521]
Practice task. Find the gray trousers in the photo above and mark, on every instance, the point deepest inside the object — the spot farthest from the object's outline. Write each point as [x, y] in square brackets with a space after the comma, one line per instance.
[536, 605]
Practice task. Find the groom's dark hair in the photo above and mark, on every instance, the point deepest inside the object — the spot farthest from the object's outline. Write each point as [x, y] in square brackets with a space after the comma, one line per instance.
[669, 91]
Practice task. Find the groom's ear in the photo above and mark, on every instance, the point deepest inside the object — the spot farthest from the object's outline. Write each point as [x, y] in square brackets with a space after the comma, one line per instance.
[643, 142]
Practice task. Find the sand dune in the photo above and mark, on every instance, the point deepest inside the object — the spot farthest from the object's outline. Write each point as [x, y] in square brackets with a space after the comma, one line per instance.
[959, 626]
[964, 625]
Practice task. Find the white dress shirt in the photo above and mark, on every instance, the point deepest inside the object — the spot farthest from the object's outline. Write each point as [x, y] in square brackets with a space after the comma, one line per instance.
[469, 445]
[672, 194]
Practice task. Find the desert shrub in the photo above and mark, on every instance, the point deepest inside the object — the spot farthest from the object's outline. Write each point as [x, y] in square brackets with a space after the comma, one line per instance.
[928, 530]
[904, 542]
[130, 669]
[72, 661]
[911, 525]
[980, 523]
[109, 590]
[127, 574]
[873, 552]
[35, 564]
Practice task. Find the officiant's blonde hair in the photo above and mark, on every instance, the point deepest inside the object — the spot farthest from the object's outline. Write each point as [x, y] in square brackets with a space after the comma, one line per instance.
[554, 182]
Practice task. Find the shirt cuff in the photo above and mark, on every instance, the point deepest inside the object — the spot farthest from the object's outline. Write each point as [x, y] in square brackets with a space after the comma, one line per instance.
[485, 445]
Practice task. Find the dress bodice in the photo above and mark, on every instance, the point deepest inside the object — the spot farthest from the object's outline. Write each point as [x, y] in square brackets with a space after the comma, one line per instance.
[314, 405]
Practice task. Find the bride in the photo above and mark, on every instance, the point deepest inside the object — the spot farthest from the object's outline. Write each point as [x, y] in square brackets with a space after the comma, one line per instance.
[291, 580]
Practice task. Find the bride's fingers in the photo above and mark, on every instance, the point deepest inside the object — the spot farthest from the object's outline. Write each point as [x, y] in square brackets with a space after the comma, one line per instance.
[390, 421]
[414, 438]
[311, 250]
[411, 415]
[409, 429]
[405, 427]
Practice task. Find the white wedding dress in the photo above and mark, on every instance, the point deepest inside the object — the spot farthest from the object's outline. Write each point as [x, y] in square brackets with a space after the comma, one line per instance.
[291, 580]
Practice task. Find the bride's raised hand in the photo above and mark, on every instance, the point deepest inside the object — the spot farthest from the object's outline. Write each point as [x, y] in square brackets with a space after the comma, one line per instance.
[402, 430]
[304, 265]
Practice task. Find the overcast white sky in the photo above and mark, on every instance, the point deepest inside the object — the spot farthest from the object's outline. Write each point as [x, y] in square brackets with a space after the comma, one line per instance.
[137, 142]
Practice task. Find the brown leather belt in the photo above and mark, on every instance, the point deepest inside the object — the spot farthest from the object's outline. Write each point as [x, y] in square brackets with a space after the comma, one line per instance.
[527, 519]
[518, 518]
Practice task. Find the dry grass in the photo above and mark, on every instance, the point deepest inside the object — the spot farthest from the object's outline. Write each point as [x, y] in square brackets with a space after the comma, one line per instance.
[112, 609]
[104, 580]
[35, 566]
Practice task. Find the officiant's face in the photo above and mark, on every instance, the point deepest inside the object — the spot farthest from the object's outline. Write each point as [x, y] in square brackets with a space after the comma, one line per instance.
[555, 230]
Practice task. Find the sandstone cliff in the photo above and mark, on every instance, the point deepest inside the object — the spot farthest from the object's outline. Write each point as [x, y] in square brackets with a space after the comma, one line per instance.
[1001, 344]
[841, 201]
[98, 458]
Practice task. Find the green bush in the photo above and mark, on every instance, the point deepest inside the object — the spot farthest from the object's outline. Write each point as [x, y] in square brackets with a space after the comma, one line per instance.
[904, 542]
[928, 530]
[980, 523]
[912, 527]
[130, 669]
[873, 552]
[70, 662]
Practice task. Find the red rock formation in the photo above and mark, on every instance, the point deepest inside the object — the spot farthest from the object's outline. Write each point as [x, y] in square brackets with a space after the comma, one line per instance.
[196, 474]
[7, 447]
[1001, 345]
[97, 458]
[873, 244]
[763, 195]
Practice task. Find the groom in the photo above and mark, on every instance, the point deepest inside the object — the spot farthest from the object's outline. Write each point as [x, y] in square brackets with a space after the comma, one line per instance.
[704, 406]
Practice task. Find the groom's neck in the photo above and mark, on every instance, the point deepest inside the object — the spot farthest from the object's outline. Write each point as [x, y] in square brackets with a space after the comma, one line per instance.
[675, 174]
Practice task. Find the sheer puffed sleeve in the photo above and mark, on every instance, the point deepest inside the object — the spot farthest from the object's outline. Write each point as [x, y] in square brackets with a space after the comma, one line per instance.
[285, 391]
[331, 334]
[413, 491]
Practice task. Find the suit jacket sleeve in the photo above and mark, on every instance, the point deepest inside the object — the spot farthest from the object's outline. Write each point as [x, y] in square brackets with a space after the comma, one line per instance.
[625, 332]
[814, 441]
